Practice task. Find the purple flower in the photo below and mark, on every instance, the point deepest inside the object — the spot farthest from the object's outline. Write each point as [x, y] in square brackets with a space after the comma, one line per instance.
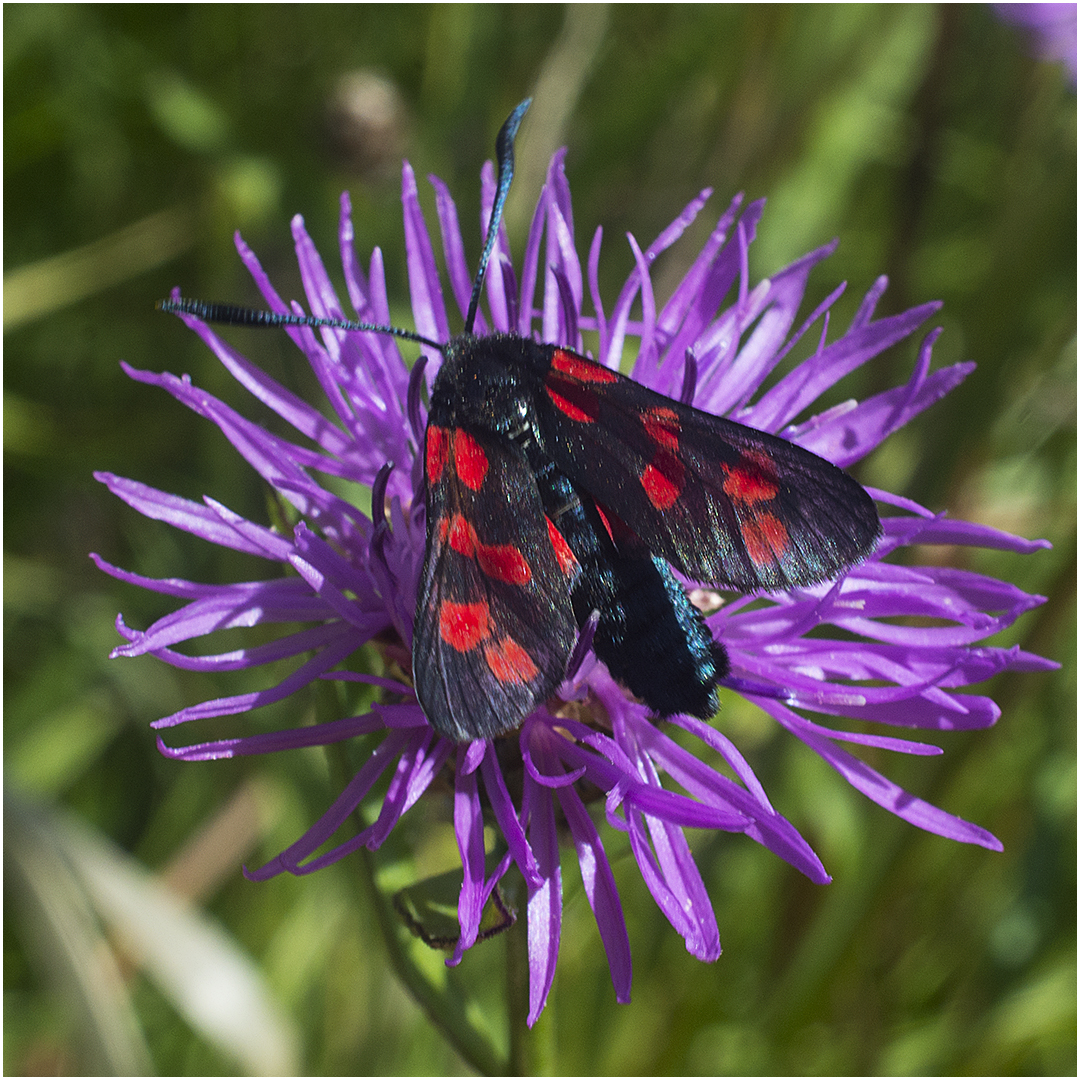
[1051, 30]
[893, 641]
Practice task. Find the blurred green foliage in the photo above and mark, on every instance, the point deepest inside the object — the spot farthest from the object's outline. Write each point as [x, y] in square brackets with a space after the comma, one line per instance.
[138, 137]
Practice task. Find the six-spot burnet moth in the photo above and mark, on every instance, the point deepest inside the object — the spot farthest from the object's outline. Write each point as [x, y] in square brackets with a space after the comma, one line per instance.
[559, 496]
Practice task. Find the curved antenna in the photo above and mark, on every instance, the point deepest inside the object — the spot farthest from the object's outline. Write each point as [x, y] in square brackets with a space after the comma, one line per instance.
[235, 315]
[504, 154]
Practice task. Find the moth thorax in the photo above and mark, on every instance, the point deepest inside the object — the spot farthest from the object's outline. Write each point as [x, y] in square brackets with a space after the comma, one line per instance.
[475, 390]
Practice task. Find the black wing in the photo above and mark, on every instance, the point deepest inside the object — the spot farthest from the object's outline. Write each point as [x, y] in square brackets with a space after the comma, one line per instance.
[723, 503]
[494, 626]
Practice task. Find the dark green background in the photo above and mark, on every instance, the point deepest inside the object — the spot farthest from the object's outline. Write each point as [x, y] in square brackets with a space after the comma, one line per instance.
[924, 137]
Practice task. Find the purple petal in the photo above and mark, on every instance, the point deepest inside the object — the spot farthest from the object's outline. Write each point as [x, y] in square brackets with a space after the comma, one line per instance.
[272, 458]
[318, 665]
[846, 434]
[355, 283]
[469, 832]
[729, 386]
[167, 586]
[545, 899]
[561, 255]
[530, 264]
[503, 809]
[498, 282]
[675, 883]
[648, 352]
[425, 288]
[191, 517]
[939, 529]
[418, 764]
[283, 648]
[764, 824]
[881, 790]
[799, 389]
[273, 742]
[603, 896]
[457, 266]
[696, 300]
[292, 857]
[227, 606]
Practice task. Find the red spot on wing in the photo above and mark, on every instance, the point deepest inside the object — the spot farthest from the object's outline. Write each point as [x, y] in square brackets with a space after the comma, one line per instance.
[509, 662]
[752, 480]
[604, 519]
[568, 385]
[663, 479]
[460, 535]
[662, 426]
[766, 538]
[504, 562]
[436, 450]
[576, 401]
[580, 369]
[566, 559]
[464, 626]
[470, 461]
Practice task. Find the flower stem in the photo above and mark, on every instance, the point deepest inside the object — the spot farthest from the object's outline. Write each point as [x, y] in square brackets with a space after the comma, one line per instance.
[532, 1050]
[517, 996]
[445, 1007]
